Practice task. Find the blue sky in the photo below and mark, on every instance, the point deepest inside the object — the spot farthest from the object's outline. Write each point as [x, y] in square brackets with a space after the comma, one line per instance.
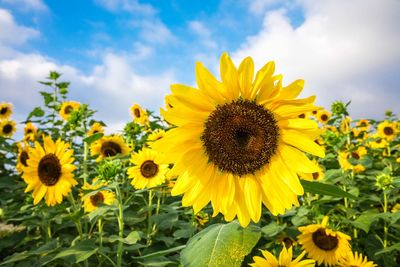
[118, 52]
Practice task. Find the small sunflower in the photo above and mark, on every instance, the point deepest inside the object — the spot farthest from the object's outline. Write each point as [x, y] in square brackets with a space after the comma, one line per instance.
[201, 218]
[359, 133]
[147, 172]
[378, 142]
[67, 108]
[139, 115]
[155, 135]
[6, 109]
[285, 259]
[92, 202]
[109, 146]
[23, 156]
[345, 125]
[356, 260]
[348, 160]
[323, 116]
[315, 176]
[238, 139]
[30, 132]
[363, 124]
[387, 130]
[7, 128]
[323, 244]
[49, 171]
[95, 128]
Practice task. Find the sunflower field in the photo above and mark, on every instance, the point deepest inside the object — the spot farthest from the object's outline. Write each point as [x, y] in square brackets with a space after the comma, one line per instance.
[239, 171]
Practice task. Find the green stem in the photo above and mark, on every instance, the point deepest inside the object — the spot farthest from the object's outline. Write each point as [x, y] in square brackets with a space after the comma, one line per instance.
[100, 225]
[120, 218]
[346, 204]
[385, 227]
[150, 206]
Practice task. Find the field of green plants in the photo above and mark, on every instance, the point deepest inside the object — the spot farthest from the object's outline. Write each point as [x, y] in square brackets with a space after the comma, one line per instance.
[237, 172]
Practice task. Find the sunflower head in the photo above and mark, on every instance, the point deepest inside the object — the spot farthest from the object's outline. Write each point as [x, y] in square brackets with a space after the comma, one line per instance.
[109, 146]
[350, 160]
[67, 108]
[92, 201]
[378, 142]
[239, 135]
[388, 130]
[7, 128]
[139, 115]
[315, 176]
[49, 171]
[6, 109]
[323, 116]
[355, 260]
[363, 124]
[345, 125]
[30, 132]
[95, 128]
[285, 259]
[23, 156]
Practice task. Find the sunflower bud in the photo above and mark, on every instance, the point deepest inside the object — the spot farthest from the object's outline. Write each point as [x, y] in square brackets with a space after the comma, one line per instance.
[384, 181]
[339, 108]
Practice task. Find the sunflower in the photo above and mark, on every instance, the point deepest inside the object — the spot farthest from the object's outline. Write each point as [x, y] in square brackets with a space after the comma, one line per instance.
[359, 133]
[147, 172]
[323, 116]
[387, 130]
[23, 156]
[30, 132]
[239, 142]
[95, 128]
[323, 244]
[6, 109]
[315, 176]
[201, 218]
[349, 160]
[363, 124]
[49, 171]
[285, 259]
[109, 146]
[67, 108]
[7, 128]
[345, 125]
[355, 260]
[378, 142]
[92, 202]
[139, 115]
[155, 135]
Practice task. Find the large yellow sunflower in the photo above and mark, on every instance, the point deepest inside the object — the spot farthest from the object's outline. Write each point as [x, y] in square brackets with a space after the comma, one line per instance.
[23, 156]
[323, 244]
[109, 146]
[147, 172]
[285, 259]
[388, 130]
[356, 260]
[239, 143]
[7, 128]
[323, 116]
[139, 115]
[67, 108]
[92, 202]
[95, 128]
[49, 171]
[6, 109]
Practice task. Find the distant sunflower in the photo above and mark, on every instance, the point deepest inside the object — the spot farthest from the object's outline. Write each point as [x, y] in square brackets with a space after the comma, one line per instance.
[102, 197]
[359, 133]
[315, 176]
[285, 259]
[356, 260]
[323, 116]
[67, 108]
[23, 156]
[6, 109]
[239, 143]
[345, 125]
[30, 132]
[147, 172]
[139, 115]
[378, 142]
[154, 136]
[49, 171]
[363, 124]
[95, 128]
[388, 130]
[109, 146]
[348, 160]
[323, 244]
[7, 128]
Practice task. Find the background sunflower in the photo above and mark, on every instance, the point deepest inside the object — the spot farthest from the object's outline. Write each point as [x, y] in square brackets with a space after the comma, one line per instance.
[109, 146]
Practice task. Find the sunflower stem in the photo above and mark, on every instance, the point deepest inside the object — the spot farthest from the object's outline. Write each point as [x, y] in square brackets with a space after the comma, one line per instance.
[120, 218]
[385, 227]
[150, 206]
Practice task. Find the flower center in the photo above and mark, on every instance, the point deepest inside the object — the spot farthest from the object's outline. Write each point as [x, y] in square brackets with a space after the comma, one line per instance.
[240, 137]
[302, 116]
[68, 109]
[324, 241]
[29, 131]
[355, 155]
[324, 117]
[288, 242]
[49, 169]
[136, 111]
[3, 110]
[315, 175]
[7, 128]
[97, 199]
[148, 169]
[388, 130]
[110, 149]
[23, 157]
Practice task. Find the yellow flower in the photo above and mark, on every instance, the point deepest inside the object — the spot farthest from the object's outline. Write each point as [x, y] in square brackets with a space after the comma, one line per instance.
[398, 160]
[202, 218]
[378, 143]
[49, 171]
[396, 208]
[95, 128]
[7, 128]
[346, 157]
[102, 197]
[30, 132]
[23, 156]
[363, 125]
[6, 109]
[359, 133]
[345, 125]
[154, 136]
[239, 143]
[388, 130]
[285, 259]
[323, 116]
[67, 108]
[147, 172]
[109, 146]
[323, 244]
[315, 176]
[139, 115]
[355, 260]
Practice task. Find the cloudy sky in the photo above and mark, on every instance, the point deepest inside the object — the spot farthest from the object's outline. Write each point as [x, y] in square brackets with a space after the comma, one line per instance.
[118, 52]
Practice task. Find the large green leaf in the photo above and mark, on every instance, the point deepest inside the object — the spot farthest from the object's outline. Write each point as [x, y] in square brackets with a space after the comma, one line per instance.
[325, 189]
[220, 245]
[78, 252]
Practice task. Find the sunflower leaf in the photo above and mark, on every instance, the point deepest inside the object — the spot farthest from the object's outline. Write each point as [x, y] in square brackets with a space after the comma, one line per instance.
[325, 189]
[93, 138]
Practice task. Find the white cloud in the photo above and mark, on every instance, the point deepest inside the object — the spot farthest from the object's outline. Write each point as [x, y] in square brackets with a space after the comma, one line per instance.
[154, 31]
[11, 33]
[132, 6]
[259, 6]
[203, 32]
[344, 50]
[26, 5]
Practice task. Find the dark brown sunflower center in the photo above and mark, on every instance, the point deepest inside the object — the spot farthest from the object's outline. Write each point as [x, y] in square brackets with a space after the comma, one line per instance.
[324, 117]
[302, 116]
[315, 175]
[288, 242]
[3, 110]
[7, 128]
[110, 149]
[149, 169]
[95, 131]
[29, 131]
[136, 111]
[324, 241]
[388, 130]
[97, 199]
[363, 124]
[355, 155]
[240, 137]
[23, 157]
[68, 109]
[49, 169]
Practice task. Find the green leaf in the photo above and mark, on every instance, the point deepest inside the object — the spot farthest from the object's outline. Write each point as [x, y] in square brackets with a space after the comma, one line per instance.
[54, 75]
[36, 112]
[273, 229]
[16, 257]
[131, 239]
[47, 97]
[388, 249]
[93, 138]
[79, 252]
[325, 189]
[365, 220]
[159, 253]
[220, 245]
